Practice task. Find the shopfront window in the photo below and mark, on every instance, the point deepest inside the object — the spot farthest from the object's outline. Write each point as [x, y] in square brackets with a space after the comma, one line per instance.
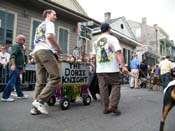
[63, 39]
[127, 55]
[6, 27]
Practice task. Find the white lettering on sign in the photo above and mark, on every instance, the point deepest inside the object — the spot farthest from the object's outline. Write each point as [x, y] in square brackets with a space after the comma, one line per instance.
[74, 73]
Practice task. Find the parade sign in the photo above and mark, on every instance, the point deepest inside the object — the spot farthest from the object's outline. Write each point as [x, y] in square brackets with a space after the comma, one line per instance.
[74, 73]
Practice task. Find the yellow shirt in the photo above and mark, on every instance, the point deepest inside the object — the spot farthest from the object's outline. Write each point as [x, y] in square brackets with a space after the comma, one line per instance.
[165, 66]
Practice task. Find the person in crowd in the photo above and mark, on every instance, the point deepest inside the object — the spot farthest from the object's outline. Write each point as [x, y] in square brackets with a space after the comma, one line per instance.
[93, 80]
[25, 56]
[165, 71]
[0, 48]
[46, 47]
[31, 58]
[150, 71]
[9, 49]
[71, 58]
[108, 54]
[76, 53]
[134, 66]
[156, 71]
[16, 64]
[4, 61]
[156, 75]
[143, 73]
[4, 56]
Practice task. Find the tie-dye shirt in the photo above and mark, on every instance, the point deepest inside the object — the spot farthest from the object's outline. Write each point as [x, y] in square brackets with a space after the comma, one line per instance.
[41, 41]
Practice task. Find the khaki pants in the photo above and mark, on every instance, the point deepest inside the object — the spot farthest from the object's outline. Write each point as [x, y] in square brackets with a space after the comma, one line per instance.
[134, 80]
[45, 63]
[112, 79]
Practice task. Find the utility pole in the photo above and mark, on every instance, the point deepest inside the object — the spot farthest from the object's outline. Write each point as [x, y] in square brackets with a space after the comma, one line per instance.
[156, 41]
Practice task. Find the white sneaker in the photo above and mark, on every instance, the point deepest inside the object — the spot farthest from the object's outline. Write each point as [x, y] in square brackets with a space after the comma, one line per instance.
[34, 111]
[7, 100]
[14, 94]
[40, 107]
[22, 97]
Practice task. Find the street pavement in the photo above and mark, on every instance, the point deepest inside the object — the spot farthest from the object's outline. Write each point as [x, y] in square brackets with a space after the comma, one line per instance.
[141, 111]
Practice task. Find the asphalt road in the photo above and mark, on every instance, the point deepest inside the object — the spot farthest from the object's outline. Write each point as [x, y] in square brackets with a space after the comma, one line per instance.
[141, 111]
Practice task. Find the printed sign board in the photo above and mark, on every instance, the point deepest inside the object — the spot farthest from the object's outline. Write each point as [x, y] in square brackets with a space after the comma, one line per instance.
[74, 73]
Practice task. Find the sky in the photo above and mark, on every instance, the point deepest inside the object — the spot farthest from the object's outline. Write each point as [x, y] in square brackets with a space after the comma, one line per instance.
[160, 12]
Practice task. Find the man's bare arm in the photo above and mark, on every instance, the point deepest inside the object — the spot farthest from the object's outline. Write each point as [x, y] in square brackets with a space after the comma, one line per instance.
[54, 43]
[120, 59]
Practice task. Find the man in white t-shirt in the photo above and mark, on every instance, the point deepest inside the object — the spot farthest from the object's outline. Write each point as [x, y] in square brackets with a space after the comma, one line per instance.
[109, 57]
[44, 53]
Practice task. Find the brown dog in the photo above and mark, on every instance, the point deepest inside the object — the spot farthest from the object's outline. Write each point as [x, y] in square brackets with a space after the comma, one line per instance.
[168, 102]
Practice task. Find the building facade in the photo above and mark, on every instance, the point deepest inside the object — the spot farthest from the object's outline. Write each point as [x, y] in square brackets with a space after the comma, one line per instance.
[23, 17]
[155, 40]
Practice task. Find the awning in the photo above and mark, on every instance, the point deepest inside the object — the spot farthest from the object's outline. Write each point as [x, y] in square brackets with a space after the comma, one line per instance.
[151, 54]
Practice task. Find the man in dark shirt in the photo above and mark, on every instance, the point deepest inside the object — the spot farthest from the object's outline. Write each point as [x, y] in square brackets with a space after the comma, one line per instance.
[16, 65]
[143, 73]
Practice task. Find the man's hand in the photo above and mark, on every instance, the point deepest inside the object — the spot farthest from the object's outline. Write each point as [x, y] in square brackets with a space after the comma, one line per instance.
[59, 50]
[125, 71]
[120, 59]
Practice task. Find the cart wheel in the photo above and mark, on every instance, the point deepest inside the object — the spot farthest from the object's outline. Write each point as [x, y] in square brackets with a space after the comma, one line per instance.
[86, 100]
[64, 104]
[73, 100]
[52, 101]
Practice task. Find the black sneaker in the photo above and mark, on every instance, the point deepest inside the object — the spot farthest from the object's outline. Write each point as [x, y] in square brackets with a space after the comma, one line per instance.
[117, 112]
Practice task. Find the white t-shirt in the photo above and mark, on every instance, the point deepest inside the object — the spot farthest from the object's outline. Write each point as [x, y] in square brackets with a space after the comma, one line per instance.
[105, 50]
[4, 58]
[41, 41]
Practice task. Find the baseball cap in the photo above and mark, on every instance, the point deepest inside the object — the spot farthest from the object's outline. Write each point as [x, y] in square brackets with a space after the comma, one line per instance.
[104, 27]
